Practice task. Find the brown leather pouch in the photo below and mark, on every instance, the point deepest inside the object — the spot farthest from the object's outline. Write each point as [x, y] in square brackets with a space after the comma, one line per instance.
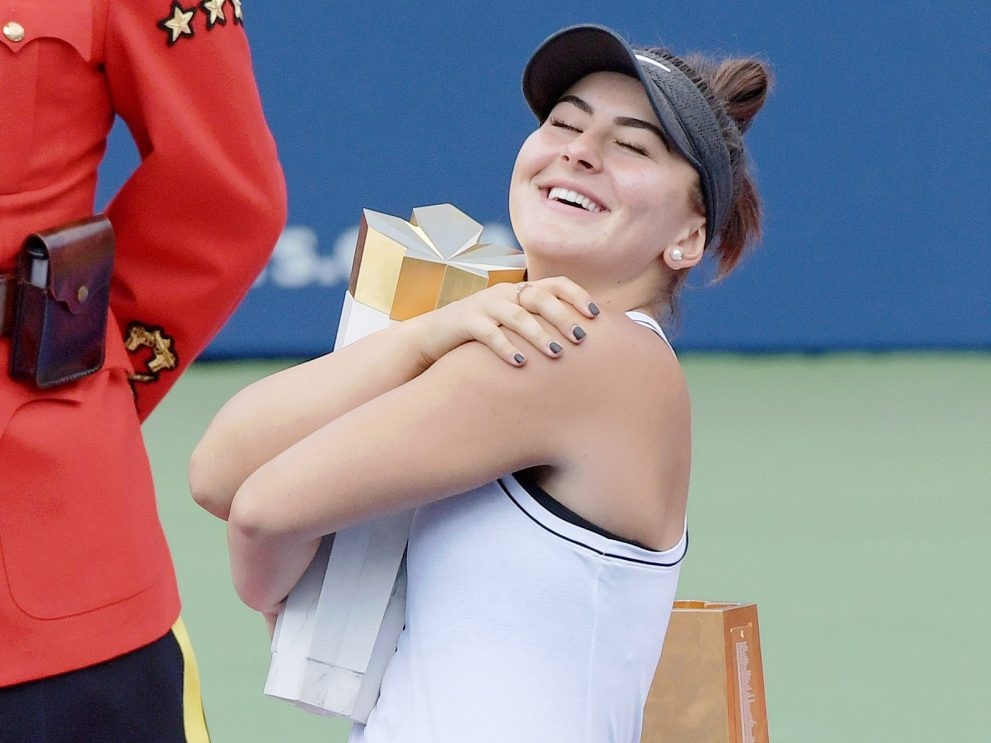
[63, 295]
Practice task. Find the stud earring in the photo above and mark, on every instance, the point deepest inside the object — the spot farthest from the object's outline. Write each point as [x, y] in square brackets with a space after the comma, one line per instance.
[676, 254]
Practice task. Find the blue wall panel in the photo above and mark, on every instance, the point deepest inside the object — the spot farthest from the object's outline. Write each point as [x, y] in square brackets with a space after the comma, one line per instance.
[872, 155]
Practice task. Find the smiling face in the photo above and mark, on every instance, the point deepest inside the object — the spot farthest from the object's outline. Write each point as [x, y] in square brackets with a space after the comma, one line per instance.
[596, 194]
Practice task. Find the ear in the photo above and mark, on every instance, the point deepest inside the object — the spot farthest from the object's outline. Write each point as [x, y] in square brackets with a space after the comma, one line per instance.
[688, 251]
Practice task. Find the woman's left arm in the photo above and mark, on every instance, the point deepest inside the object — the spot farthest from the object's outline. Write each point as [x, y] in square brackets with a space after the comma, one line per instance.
[269, 416]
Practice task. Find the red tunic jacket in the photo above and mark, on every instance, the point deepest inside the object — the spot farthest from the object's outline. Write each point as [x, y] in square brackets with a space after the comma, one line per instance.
[85, 573]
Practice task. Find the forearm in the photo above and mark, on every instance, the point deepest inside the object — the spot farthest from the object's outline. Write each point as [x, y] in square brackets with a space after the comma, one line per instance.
[267, 417]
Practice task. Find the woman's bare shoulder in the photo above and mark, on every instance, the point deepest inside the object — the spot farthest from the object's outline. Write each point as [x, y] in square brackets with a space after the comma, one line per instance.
[618, 361]
[625, 359]
[623, 437]
[608, 416]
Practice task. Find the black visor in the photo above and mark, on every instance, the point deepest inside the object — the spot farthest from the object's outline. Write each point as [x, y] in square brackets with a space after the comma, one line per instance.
[682, 110]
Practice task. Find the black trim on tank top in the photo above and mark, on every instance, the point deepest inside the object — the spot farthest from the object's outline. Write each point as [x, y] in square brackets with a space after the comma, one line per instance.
[526, 480]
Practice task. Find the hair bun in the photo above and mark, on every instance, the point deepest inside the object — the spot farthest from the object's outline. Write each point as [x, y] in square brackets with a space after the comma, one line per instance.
[742, 85]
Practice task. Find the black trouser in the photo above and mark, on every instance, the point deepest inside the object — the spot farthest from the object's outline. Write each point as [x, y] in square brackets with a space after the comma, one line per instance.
[136, 698]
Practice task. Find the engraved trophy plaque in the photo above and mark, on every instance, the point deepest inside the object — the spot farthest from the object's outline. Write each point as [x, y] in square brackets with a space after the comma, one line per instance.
[341, 622]
[709, 684]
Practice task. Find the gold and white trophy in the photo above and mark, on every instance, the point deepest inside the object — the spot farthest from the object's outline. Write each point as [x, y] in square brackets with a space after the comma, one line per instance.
[341, 622]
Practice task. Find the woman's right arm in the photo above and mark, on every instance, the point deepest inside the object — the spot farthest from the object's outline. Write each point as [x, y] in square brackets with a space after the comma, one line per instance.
[267, 417]
[270, 415]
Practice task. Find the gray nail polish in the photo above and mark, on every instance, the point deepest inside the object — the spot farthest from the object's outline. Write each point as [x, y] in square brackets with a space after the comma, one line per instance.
[519, 358]
[555, 347]
[593, 308]
[579, 332]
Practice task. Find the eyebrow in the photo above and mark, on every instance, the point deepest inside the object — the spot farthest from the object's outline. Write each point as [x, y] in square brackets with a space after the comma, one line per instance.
[583, 106]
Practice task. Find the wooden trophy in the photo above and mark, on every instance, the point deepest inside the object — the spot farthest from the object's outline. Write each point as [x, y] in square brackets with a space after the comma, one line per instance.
[709, 684]
[341, 623]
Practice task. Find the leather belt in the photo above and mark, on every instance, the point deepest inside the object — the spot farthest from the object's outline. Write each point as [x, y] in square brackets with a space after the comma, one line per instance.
[8, 284]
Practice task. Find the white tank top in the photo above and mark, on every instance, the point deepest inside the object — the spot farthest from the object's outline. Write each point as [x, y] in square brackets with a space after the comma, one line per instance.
[522, 626]
[642, 318]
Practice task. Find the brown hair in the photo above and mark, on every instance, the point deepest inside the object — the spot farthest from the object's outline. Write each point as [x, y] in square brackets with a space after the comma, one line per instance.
[736, 89]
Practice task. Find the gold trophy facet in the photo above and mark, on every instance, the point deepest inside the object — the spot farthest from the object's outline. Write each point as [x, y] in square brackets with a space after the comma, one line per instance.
[341, 622]
[407, 268]
[402, 269]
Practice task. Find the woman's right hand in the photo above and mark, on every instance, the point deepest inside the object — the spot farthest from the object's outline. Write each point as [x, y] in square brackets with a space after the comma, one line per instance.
[485, 317]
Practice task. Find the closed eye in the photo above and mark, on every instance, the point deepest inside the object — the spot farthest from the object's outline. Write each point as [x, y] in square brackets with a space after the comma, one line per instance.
[633, 147]
[561, 124]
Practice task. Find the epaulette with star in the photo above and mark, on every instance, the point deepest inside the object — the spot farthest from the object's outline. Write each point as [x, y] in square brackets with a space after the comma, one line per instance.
[181, 22]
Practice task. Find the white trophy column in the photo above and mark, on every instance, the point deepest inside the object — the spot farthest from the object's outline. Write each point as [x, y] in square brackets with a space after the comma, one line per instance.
[342, 621]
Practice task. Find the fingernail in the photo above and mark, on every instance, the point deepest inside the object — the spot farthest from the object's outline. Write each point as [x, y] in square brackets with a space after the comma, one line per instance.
[579, 332]
[519, 358]
[592, 308]
[555, 347]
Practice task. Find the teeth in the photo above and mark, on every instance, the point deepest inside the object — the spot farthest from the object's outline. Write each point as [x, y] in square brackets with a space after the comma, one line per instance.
[573, 197]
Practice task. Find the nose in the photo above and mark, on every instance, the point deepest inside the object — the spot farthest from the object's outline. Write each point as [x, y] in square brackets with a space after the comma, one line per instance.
[582, 152]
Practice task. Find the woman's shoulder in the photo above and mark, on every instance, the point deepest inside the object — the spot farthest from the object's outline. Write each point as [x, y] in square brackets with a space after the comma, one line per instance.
[609, 415]
[619, 363]
[633, 351]
[623, 432]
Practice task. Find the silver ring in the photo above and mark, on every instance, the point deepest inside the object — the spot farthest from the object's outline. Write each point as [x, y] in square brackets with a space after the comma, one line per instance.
[519, 290]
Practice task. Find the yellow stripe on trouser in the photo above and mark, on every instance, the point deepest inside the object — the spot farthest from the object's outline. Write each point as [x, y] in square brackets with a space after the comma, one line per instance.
[192, 700]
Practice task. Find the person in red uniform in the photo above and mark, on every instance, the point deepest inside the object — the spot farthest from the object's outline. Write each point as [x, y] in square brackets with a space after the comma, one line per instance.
[91, 648]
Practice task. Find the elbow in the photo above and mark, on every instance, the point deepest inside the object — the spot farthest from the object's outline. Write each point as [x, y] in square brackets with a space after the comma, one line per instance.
[255, 542]
[263, 209]
[271, 541]
[205, 483]
[272, 204]
[254, 594]
[255, 599]
[279, 200]
[249, 519]
[216, 466]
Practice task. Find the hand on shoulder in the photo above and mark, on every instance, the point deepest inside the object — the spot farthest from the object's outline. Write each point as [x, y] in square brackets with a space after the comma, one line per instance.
[621, 371]
[504, 319]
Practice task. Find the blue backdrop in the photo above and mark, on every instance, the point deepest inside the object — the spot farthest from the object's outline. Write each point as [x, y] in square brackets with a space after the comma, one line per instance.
[872, 156]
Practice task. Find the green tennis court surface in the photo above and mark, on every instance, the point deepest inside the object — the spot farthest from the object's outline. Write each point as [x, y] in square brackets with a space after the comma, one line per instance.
[847, 495]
